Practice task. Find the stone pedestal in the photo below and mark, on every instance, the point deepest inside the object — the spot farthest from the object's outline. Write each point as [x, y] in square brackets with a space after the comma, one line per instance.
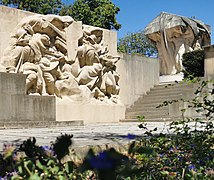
[88, 112]
[16, 106]
[171, 78]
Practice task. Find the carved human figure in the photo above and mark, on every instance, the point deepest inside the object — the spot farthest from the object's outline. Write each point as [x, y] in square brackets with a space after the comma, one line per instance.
[19, 45]
[173, 36]
[33, 79]
[50, 74]
[52, 25]
[36, 55]
[109, 82]
[34, 39]
[97, 68]
[39, 49]
[88, 58]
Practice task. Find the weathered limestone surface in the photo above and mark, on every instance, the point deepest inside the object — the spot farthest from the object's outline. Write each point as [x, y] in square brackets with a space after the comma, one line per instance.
[209, 62]
[138, 75]
[9, 18]
[15, 105]
[60, 57]
[76, 64]
[89, 112]
[174, 35]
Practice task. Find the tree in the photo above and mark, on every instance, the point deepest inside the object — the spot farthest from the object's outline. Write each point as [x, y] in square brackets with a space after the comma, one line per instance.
[37, 6]
[100, 13]
[137, 43]
[193, 63]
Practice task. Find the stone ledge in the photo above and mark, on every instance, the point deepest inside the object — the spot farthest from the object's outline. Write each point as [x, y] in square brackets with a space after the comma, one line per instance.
[40, 124]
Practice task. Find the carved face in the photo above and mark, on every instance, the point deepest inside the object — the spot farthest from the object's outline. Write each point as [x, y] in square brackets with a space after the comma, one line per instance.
[45, 39]
[98, 39]
[28, 28]
[98, 33]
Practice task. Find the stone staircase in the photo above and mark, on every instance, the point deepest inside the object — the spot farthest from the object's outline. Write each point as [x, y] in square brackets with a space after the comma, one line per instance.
[147, 105]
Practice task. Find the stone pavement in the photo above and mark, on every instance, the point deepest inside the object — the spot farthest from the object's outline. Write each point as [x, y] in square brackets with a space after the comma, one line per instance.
[87, 135]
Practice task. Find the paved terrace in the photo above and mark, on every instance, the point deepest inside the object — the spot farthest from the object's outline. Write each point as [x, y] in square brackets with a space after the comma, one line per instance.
[87, 135]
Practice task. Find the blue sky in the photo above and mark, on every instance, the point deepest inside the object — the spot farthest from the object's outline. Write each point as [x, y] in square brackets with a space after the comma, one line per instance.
[134, 15]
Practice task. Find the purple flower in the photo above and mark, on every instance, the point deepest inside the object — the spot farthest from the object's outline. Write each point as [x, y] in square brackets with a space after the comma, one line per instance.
[129, 136]
[180, 157]
[192, 145]
[171, 149]
[161, 155]
[192, 167]
[48, 150]
[102, 161]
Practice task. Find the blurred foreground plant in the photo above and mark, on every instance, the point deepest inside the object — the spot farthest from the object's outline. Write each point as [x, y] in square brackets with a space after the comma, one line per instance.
[185, 152]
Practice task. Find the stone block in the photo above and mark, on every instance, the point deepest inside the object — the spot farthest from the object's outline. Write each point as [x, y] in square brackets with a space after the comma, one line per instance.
[33, 108]
[66, 110]
[74, 33]
[12, 83]
[15, 105]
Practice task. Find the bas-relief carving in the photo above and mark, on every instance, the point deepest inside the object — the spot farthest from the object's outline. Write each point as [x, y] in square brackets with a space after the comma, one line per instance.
[173, 36]
[40, 47]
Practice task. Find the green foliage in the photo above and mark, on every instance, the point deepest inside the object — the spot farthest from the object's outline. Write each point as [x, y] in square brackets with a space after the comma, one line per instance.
[37, 6]
[100, 13]
[193, 63]
[137, 43]
[187, 153]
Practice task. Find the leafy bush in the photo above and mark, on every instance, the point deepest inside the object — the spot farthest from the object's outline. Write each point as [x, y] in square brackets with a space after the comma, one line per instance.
[137, 43]
[193, 63]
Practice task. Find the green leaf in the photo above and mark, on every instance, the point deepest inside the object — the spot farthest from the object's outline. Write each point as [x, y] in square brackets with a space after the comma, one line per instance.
[69, 167]
[34, 177]
[146, 150]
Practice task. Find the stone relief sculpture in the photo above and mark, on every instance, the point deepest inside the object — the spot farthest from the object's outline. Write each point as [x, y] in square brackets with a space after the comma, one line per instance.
[97, 68]
[173, 36]
[39, 49]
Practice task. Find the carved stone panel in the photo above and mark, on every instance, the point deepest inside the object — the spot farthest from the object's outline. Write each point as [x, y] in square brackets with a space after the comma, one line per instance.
[62, 57]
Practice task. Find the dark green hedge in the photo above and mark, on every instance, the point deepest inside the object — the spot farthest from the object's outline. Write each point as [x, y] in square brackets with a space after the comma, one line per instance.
[193, 63]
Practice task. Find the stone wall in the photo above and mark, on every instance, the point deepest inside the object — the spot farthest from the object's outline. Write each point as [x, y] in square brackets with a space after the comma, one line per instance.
[209, 62]
[137, 75]
[16, 106]
[9, 18]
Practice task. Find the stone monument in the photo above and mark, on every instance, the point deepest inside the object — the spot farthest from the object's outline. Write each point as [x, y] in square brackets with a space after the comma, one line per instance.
[174, 35]
[39, 47]
[76, 63]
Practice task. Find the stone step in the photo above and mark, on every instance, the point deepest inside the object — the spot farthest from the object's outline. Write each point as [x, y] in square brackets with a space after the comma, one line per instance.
[146, 105]
[162, 97]
[156, 100]
[33, 124]
[148, 116]
[147, 120]
[152, 111]
[168, 91]
[163, 93]
[145, 109]
[173, 86]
